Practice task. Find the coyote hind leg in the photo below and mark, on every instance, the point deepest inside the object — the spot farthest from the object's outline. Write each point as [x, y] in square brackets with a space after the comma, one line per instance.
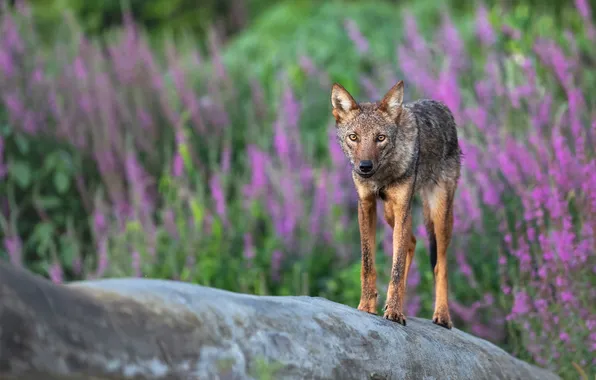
[409, 258]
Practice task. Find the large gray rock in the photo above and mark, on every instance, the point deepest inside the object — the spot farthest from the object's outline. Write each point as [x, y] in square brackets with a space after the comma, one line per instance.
[153, 329]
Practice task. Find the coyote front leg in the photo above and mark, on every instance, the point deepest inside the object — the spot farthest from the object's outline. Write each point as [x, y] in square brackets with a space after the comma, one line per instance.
[367, 220]
[397, 213]
[438, 215]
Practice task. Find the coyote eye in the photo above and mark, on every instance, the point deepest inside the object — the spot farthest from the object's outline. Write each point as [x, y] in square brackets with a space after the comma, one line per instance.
[353, 137]
[381, 138]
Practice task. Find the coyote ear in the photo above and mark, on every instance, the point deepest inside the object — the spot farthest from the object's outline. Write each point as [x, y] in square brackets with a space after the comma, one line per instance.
[392, 101]
[343, 103]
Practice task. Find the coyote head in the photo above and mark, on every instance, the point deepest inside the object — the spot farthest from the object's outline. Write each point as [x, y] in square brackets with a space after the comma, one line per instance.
[372, 135]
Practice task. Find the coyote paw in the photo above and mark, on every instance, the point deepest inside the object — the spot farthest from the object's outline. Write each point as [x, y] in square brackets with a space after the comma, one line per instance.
[442, 319]
[369, 305]
[394, 315]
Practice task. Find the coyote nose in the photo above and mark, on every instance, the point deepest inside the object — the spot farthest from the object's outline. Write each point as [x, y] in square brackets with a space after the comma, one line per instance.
[366, 166]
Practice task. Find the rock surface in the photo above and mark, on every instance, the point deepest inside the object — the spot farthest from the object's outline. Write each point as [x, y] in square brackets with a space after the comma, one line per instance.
[156, 329]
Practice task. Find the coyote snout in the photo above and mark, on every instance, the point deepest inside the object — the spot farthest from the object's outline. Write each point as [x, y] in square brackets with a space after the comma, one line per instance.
[397, 150]
[366, 168]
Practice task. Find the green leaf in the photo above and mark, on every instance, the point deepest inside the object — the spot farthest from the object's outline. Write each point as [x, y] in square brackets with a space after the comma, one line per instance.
[44, 230]
[186, 159]
[165, 184]
[22, 143]
[50, 163]
[61, 182]
[21, 173]
[186, 275]
[197, 211]
[43, 235]
[67, 254]
[133, 226]
[5, 130]
[216, 230]
[48, 202]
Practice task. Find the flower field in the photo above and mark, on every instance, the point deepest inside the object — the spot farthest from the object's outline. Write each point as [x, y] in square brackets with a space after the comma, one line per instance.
[123, 156]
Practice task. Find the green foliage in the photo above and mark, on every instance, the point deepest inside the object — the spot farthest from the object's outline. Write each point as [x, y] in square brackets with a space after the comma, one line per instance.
[161, 15]
[158, 15]
[289, 30]
[265, 370]
[41, 193]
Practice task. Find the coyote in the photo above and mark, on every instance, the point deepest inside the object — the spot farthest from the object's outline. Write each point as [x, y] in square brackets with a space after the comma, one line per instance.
[396, 150]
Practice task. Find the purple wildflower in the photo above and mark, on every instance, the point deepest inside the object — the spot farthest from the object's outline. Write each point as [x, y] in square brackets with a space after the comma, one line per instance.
[520, 305]
[14, 246]
[6, 64]
[102, 249]
[356, 36]
[584, 9]
[177, 165]
[55, 272]
[484, 29]
[249, 248]
[218, 195]
[3, 167]
[136, 263]
[258, 160]
[276, 260]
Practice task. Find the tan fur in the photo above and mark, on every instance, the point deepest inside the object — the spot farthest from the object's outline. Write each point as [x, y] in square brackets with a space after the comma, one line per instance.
[367, 221]
[410, 257]
[397, 214]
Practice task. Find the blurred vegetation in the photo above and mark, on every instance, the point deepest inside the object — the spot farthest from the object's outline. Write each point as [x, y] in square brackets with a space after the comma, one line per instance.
[232, 16]
[260, 40]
